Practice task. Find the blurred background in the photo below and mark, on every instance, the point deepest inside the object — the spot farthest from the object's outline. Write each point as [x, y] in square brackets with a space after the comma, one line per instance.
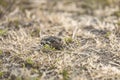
[69, 6]
[89, 28]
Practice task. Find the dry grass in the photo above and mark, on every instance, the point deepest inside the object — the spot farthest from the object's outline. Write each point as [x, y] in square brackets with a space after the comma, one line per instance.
[90, 33]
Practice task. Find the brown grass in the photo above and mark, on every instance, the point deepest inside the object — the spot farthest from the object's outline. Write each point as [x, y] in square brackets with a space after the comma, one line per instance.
[90, 33]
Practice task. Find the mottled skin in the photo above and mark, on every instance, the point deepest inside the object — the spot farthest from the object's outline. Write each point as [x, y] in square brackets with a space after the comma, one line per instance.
[53, 41]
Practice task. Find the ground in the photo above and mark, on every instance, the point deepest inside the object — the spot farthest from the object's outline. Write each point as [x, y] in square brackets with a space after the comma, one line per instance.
[90, 34]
